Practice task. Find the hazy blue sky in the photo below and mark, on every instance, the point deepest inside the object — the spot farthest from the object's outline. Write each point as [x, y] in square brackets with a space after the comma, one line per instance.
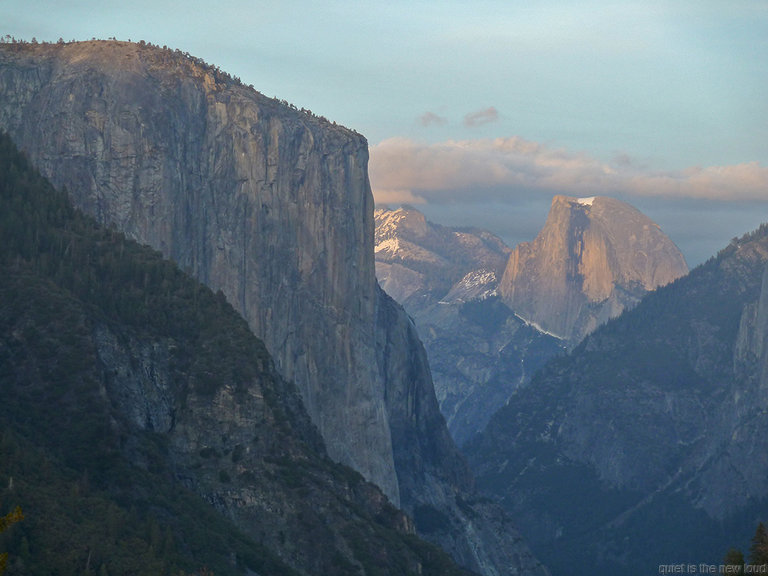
[480, 111]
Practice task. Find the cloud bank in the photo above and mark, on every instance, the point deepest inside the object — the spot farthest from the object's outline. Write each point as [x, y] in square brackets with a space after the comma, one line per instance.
[506, 169]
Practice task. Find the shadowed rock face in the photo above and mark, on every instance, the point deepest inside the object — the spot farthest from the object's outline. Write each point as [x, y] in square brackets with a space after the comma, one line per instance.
[593, 258]
[273, 207]
[650, 439]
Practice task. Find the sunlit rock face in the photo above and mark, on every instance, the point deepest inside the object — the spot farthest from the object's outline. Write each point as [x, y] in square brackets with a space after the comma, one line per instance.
[272, 206]
[594, 257]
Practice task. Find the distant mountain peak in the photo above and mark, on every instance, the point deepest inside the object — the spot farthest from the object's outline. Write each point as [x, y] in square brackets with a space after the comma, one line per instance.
[390, 223]
[448, 278]
[416, 258]
[593, 258]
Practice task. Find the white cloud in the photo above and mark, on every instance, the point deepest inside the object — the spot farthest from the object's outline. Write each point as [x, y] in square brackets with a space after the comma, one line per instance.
[505, 168]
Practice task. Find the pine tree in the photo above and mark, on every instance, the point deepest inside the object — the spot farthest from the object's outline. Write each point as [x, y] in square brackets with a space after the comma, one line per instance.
[734, 557]
[758, 552]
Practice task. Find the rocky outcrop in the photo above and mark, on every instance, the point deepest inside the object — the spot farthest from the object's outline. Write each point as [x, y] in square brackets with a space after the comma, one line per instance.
[594, 258]
[418, 261]
[442, 500]
[266, 203]
[650, 440]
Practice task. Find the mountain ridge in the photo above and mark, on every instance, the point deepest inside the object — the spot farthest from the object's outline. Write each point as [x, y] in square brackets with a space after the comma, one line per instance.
[653, 425]
[487, 323]
[419, 260]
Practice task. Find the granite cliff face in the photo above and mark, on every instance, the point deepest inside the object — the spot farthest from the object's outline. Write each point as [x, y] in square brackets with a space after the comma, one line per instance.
[271, 206]
[250, 197]
[123, 372]
[650, 440]
[447, 279]
[594, 258]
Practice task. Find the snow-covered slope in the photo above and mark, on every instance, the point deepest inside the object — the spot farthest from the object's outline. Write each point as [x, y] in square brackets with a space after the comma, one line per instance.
[476, 285]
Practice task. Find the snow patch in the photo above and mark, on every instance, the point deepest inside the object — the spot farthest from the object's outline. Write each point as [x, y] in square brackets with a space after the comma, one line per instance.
[478, 278]
[537, 327]
[586, 201]
[390, 245]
